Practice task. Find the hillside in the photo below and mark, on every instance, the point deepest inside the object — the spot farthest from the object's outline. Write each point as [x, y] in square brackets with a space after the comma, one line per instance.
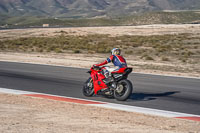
[91, 8]
[186, 17]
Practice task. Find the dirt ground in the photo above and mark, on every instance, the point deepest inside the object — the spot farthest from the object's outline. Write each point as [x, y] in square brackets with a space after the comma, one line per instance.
[112, 31]
[22, 114]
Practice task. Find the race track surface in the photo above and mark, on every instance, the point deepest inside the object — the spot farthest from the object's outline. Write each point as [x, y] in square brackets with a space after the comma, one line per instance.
[151, 91]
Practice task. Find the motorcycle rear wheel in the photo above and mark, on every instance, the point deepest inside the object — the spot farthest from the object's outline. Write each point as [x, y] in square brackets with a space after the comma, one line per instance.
[123, 90]
[88, 88]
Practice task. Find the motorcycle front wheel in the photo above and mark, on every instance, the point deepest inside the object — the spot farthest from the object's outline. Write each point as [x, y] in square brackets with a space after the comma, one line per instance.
[88, 88]
[123, 90]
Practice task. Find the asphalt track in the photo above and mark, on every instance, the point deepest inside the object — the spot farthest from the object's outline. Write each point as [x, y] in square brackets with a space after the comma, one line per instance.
[151, 91]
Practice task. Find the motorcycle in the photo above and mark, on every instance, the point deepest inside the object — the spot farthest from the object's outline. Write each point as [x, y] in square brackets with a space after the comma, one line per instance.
[118, 86]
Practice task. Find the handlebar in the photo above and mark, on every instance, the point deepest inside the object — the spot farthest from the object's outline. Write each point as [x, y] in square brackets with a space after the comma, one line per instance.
[96, 67]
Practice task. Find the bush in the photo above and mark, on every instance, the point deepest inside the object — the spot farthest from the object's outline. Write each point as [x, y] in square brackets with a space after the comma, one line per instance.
[129, 52]
[136, 45]
[103, 50]
[149, 58]
[183, 59]
[165, 59]
[58, 50]
[76, 51]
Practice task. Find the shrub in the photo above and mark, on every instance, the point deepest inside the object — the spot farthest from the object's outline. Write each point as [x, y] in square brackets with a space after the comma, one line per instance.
[76, 51]
[165, 59]
[136, 45]
[149, 58]
[129, 52]
[41, 50]
[183, 59]
[101, 50]
[58, 50]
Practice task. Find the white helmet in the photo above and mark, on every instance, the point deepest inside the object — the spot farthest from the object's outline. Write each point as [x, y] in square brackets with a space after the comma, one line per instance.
[115, 51]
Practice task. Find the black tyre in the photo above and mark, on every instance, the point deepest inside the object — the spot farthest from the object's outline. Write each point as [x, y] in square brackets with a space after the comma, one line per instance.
[88, 88]
[124, 90]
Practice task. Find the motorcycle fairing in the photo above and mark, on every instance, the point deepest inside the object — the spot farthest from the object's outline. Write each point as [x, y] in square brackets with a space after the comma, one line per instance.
[98, 81]
[121, 70]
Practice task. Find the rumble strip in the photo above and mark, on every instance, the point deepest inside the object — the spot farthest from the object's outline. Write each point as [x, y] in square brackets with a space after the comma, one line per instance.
[105, 105]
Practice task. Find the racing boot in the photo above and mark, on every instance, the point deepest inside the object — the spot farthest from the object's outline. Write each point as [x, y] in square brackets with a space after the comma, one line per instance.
[108, 78]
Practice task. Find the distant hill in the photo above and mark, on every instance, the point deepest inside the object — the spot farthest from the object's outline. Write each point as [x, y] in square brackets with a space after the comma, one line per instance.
[159, 17]
[91, 8]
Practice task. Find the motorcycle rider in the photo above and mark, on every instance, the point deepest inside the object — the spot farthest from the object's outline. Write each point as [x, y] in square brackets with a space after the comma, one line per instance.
[118, 61]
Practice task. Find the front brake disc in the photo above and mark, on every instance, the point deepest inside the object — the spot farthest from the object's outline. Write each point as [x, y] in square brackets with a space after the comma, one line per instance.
[120, 88]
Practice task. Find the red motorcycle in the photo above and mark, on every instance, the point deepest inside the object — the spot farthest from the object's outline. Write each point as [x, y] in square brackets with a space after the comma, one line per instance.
[118, 86]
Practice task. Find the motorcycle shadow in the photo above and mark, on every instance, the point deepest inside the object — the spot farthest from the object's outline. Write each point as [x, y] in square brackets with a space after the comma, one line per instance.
[150, 96]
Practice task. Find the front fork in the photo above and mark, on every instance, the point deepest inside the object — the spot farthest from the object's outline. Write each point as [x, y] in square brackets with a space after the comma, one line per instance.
[89, 84]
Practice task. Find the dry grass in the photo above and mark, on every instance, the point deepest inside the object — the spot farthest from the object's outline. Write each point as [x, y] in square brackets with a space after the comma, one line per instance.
[182, 47]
